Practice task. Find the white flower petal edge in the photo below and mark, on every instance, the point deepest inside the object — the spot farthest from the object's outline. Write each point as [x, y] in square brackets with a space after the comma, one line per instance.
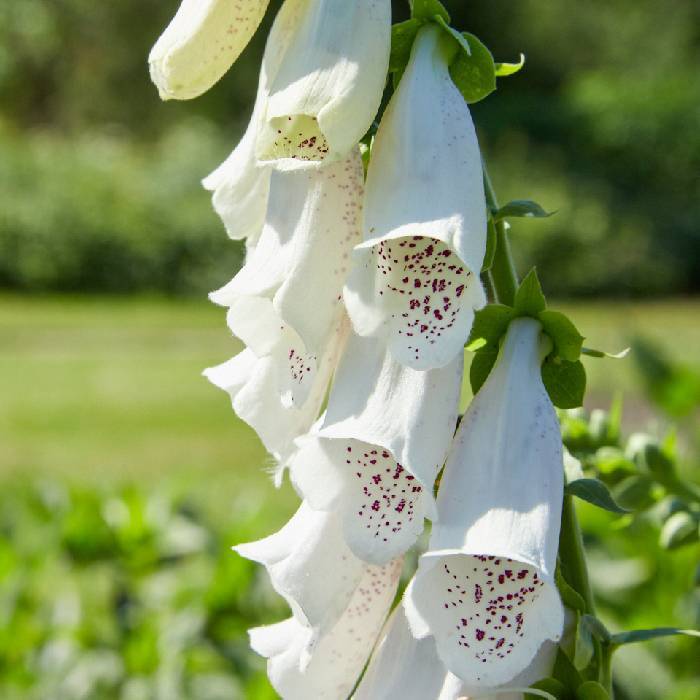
[485, 588]
[383, 440]
[201, 43]
[253, 384]
[240, 184]
[329, 87]
[416, 276]
[299, 264]
[408, 668]
[303, 665]
[310, 566]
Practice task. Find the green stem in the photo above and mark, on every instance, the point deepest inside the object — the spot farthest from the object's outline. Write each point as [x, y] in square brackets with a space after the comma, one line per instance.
[503, 275]
[605, 669]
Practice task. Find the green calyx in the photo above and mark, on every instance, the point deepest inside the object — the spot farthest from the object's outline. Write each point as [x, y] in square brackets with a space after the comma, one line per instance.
[563, 373]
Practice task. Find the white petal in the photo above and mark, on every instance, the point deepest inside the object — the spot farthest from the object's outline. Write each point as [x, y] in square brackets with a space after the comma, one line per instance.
[201, 43]
[384, 438]
[310, 565]
[416, 278]
[240, 184]
[485, 588]
[334, 661]
[255, 386]
[330, 84]
[403, 667]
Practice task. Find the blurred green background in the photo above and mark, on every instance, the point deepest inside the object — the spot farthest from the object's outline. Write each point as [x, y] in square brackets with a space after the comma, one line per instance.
[126, 478]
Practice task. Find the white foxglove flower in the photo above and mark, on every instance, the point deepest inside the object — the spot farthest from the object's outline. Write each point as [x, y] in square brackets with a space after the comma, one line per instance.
[303, 664]
[241, 184]
[384, 438]
[416, 276]
[328, 89]
[253, 383]
[310, 566]
[286, 300]
[201, 43]
[408, 668]
[485, 589]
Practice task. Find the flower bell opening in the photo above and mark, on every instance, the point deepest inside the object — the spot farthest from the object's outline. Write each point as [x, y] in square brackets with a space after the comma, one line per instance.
[296, 137]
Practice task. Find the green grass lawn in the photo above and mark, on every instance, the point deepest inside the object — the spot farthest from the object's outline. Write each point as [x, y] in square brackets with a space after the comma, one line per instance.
[104, 392]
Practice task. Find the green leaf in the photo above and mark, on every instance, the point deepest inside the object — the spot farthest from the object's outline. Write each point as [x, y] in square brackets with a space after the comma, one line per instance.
[634, 636]
[564, 334]
[594, 491]
[565, 382]
[482, 363]
[584, 649]
[426, 10]
[591, 690]
[565, 671]
[491, 322]
[522, 208]
[634, 492]
[490, 247]
[569, 596]
[475, 74]
[680, 529]
[402, 37]
[505, 69]
[529, 299]
[601, 353]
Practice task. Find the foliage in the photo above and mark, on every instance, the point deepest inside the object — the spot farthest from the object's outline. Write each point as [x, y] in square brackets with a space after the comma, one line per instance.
[604, 130]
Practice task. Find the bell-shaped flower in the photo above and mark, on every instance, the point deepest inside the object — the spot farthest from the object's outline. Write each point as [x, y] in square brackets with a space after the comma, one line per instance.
[329, 87]
[201, 43]
[374, 460]
[310, 565]
[408, 668]
[485, 589]
[415, 281]
[304, 664]
[287, 299]
[255, 384]
[241, 184]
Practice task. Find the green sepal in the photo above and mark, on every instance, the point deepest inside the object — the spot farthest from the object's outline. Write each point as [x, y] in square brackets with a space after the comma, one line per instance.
[565, 671]
[564, 334]
[491, 323]
[474, 74]
[584, 648]
[427, 10]
[462, 42]
[523, 209]
[503, 70]
[565, 382]
[595, 492]
[402, 37]
[591, 690]
[680, 529]
[481, 366]
[634, 636]
[529, 299]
